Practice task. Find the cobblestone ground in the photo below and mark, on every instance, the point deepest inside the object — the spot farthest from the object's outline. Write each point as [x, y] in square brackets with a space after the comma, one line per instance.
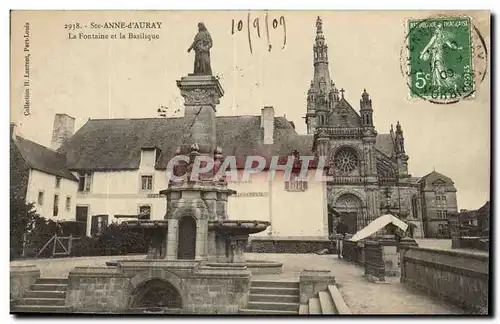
[361, 296]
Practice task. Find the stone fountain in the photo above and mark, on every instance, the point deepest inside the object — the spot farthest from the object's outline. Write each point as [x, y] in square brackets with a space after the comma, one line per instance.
[196, 226]
[195, 261]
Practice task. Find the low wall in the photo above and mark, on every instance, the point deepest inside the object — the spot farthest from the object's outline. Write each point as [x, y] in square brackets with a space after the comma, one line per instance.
[353, 251]
[312, 282]
[458, 277]
[200, 290]
[475, 243]
[290, 245]
[374, 261]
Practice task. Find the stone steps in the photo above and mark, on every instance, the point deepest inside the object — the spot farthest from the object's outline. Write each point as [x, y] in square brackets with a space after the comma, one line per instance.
[339, 303]
[274, 291]
[46, 295]
[42, 301]
[49, 287]
[304, 309]
[63, 281]
[274, 306]
[273, 298]
[329, 301]
[40, 309]
[326, 303]
[266, 312]
[275, 284]
[314, 306]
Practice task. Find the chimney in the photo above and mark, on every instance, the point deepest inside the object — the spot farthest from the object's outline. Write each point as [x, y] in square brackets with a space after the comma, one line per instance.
[64, 126]
[267, 123]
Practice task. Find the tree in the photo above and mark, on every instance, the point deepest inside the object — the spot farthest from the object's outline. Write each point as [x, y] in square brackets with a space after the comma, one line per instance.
[22, 218]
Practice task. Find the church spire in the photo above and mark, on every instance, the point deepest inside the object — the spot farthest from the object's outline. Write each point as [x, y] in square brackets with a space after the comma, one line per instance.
[320, 52]
[322, 93]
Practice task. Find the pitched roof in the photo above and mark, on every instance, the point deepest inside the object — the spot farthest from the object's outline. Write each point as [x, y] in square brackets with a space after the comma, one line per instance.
[429, 179]
[351, 116]
[385, 144]
[43, 159]
[115, 144]
[433, 176]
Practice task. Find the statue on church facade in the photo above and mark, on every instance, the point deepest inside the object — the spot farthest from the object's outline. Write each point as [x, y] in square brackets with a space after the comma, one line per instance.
[202, 44]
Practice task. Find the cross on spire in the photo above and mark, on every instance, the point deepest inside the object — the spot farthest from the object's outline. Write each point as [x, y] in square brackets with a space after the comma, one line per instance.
[342, 92]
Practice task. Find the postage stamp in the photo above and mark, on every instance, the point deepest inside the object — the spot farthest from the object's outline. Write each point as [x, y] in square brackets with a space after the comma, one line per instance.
[440, 58]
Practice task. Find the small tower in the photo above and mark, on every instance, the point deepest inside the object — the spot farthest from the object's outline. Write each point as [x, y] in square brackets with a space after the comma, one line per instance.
[311, 117]
[366, 111]
[401, 156]
[399, 140]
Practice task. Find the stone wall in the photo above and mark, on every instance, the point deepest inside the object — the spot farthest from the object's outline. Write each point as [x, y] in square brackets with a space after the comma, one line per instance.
[21, 279]
[290, 245]
[475, 243]
[374, 261]
[102, 290]
[201, 289]
[312, 282]
[458, 277]
[353, 251]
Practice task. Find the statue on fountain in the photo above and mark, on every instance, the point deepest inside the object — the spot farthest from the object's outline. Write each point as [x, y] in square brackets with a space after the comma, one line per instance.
[202, 44]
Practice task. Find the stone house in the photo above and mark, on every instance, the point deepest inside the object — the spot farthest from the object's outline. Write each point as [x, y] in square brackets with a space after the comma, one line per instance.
[39, 175]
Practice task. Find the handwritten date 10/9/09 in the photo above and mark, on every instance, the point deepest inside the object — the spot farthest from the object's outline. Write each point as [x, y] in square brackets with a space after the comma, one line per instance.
[239, 25]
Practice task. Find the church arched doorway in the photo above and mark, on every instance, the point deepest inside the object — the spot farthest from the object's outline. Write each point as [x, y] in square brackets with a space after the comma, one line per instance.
[348, 207]
[187, 238]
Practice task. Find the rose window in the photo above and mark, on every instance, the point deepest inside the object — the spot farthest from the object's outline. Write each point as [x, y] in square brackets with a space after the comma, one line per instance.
[346, 160]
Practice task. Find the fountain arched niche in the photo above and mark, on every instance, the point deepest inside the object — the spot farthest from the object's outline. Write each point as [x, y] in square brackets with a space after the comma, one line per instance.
[186, 248]
[155, 295]
[186, 234]
[156, 290]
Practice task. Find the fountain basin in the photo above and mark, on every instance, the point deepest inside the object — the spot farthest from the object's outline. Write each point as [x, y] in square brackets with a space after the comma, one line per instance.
[255, 266]
[145, 223]
[238, 227]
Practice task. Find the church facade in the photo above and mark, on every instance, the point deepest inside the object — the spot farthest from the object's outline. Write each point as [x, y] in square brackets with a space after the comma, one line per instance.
[368, 171]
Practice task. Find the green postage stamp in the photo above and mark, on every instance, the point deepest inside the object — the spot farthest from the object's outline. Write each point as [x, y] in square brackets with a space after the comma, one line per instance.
[440, 59]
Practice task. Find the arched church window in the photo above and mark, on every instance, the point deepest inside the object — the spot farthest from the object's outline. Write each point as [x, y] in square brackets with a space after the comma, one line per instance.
[346, 160]
[414, 207]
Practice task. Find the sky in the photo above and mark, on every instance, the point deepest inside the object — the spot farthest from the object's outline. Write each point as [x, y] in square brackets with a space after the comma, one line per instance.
[132, 78]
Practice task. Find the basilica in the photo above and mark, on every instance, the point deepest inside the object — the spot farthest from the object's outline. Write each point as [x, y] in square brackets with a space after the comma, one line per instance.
[369, 170]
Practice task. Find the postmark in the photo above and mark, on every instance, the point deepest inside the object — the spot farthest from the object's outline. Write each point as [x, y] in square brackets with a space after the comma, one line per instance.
[443, 59]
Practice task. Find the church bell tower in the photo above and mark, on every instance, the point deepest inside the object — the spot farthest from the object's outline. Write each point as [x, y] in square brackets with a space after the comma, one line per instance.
[322, 93]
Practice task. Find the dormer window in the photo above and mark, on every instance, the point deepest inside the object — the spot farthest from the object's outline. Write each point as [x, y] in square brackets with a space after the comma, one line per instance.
[149, 157]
